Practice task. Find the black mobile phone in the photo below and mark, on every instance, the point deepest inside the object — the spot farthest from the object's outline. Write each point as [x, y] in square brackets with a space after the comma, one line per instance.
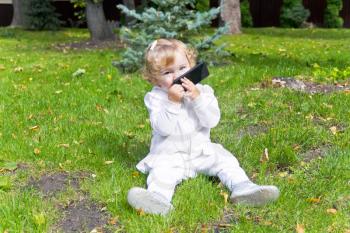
[195, 74]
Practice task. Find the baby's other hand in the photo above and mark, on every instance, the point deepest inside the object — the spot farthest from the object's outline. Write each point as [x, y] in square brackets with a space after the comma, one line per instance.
[175, 93]
[192, 90]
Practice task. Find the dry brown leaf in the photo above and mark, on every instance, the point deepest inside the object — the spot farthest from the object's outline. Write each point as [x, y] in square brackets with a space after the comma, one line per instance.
[34, 128]
[296, 147]
[265, 156]
[113, 221]
[141, 212]
[63, 145]
[254, 175]
[267, 223]
[300, 228]
[97, 230]
[332, 211]
[204, 228]
[99, 107]
[309, 117]
[333, 129]
[18, 69]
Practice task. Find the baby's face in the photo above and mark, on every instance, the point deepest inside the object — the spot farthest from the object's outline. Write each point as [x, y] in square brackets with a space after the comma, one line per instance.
[171, 72]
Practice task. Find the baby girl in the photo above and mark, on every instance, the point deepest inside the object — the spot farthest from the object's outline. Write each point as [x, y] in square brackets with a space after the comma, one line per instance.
[181, 117]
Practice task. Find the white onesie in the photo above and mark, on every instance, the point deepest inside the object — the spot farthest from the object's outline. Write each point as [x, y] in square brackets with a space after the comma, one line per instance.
[181, 146]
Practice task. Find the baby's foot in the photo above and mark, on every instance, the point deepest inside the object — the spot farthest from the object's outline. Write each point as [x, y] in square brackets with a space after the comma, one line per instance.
[254, 195]
[149, 202]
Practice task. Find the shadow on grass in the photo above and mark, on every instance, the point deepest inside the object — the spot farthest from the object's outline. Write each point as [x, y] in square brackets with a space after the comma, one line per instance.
[127, 150]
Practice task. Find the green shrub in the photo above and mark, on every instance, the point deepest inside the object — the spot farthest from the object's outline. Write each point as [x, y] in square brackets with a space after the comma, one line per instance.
[246, 17]
[293, 13]
[168, 19]
[41, 15]
[331, 14]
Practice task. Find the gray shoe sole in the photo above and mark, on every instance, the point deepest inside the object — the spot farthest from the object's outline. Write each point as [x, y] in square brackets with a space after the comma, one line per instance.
[258, 196]
[149, 202]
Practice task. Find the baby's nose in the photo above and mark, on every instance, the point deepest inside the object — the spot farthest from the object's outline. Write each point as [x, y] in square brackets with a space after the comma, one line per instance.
[175, 75]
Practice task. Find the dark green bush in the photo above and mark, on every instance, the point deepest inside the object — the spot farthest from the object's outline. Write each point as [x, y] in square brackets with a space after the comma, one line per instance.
[41, 15]
[293, 14]
[246, 17]
[331, 14]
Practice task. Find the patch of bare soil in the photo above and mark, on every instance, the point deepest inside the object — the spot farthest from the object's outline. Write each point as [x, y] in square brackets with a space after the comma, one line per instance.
[308, 87]
[314, 153]
[89, 45]
[327, 123]
[226, 222]
[252, 131]
[85, 216]
[81, 215]
[50, 184]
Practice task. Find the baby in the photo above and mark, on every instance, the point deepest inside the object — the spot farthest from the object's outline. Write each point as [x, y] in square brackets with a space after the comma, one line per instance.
[181, 117]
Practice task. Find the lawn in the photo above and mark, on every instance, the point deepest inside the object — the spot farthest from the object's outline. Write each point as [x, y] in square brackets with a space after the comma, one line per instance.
[88, 131]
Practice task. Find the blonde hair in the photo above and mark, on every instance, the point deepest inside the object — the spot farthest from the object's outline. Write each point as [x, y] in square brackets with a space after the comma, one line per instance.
[160, 54]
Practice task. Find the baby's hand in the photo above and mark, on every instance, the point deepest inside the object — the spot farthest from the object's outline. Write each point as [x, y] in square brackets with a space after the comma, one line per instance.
[192, 90]
[175, 93]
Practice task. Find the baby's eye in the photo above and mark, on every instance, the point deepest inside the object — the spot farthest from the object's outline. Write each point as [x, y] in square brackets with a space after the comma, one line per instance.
[166, 73]
[182, 67]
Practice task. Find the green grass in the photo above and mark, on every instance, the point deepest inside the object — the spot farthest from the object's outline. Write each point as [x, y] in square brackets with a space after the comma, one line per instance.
[102, 117]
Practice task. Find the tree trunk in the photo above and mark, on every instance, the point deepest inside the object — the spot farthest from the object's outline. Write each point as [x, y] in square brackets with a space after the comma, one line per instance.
[231, 14]
[18, 13]
[130, 4]
[97, 23]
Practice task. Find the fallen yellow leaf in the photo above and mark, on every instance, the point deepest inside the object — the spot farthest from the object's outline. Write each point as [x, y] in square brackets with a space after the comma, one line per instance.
[300, 228]
[314, 200]
[109, 162]
[37, 151]
[34, 128]
[332, 211]
[283, 174]
[63, 145]
[39, 219]
[225, 195]
[135, 174]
